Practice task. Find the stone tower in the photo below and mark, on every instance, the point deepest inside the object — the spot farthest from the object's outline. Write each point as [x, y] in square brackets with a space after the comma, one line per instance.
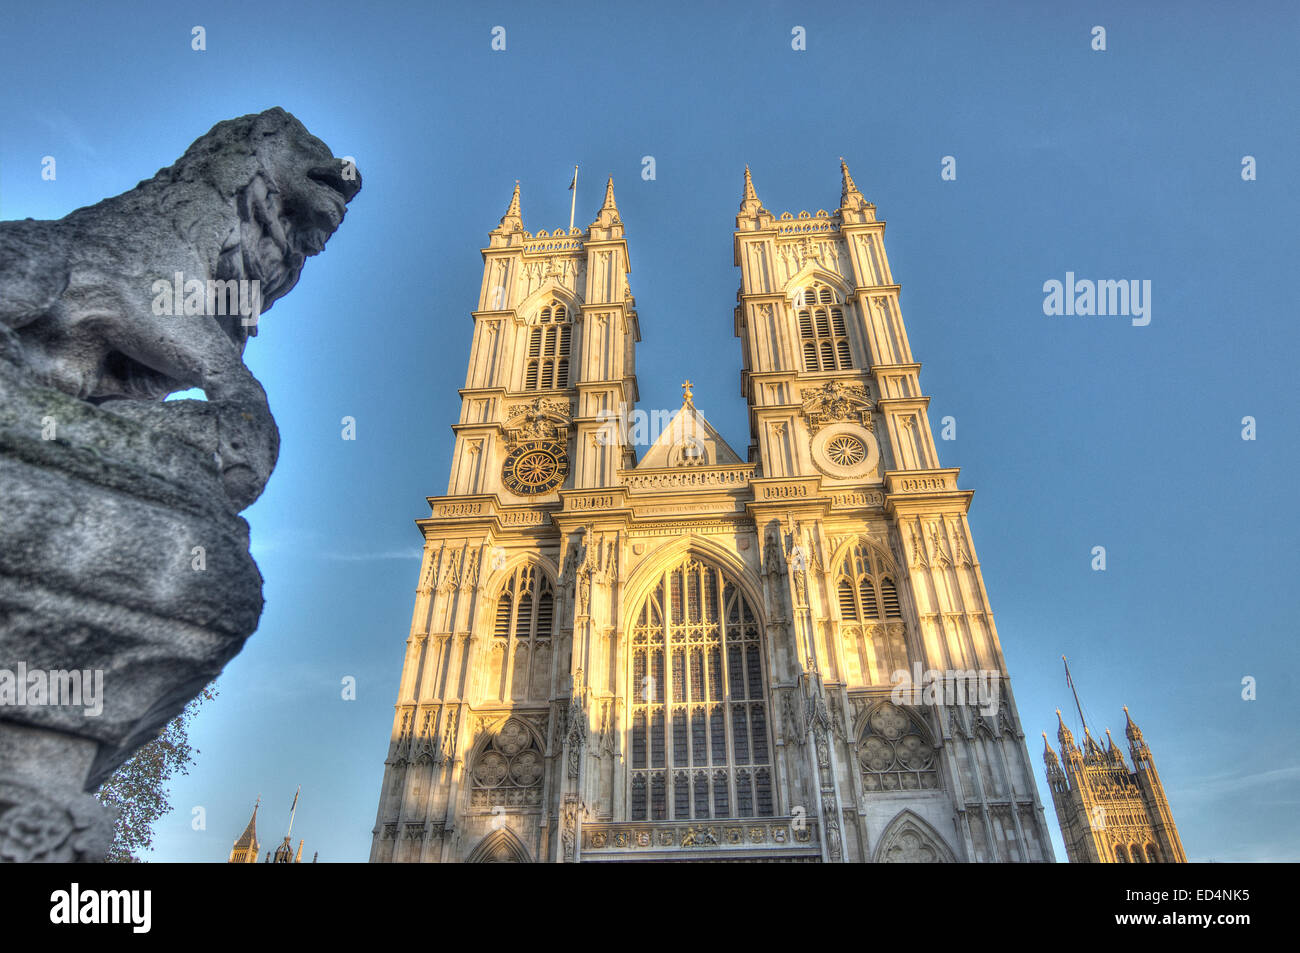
[1109, 814]
[697, 656]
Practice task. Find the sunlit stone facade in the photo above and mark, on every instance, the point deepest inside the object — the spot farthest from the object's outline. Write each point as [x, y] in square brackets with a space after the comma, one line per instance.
[689, 656]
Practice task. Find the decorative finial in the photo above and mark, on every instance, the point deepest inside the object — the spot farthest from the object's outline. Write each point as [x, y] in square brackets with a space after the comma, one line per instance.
[688, 396]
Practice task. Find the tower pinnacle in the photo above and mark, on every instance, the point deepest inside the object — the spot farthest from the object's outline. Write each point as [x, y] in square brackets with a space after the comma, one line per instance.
[513, 219]
[850, 197]
[1063, 734]
[1131, 730]
[608, 225]
[749, 203]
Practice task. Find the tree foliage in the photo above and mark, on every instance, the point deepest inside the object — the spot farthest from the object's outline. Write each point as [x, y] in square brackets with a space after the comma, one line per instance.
[138, 788]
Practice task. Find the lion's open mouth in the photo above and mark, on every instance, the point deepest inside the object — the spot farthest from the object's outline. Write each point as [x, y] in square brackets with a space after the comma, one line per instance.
[121, 376]
[331, 176]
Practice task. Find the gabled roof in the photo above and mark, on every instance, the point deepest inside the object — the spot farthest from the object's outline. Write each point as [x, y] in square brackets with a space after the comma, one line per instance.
[687, 434]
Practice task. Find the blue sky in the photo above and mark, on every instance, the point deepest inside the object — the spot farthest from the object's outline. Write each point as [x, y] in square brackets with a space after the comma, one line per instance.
[1074, 432]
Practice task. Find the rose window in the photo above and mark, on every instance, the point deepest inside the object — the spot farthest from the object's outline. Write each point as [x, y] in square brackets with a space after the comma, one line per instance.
[845, 450]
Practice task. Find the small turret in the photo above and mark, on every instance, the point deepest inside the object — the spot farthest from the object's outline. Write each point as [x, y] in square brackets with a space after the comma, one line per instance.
[1055, 776]
[511, 223]
[1131, 730]
[752, 215]
[1115, 756]
[1092, 753]
[853, 205]
[1049, 756]
[1064, 736]
[608, 225]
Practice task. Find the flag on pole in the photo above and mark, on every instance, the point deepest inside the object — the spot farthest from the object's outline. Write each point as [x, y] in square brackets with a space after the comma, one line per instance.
[293, 807]
[573, 200]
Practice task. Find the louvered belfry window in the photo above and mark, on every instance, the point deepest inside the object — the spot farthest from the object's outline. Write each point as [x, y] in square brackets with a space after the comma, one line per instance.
[866, 587]
[822, 331]
[700, 743]
[526, 606]
[548, 349]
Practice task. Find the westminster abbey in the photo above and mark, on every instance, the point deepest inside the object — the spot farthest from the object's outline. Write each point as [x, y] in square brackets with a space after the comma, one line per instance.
[693, 653]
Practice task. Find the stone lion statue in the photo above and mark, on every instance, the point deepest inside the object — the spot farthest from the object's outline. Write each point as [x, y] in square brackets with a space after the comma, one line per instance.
[249, 201]
[126, 581]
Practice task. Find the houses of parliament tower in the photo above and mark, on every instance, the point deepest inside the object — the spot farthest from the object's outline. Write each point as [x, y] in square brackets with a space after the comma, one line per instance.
[695, 653]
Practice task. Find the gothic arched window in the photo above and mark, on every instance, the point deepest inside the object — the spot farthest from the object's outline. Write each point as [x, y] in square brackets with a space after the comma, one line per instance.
[871, 616]
[866, 586]
[822, 331]
[548, 349]
[699, 744]
[1153, 854]
[522, 631]
[895, 752]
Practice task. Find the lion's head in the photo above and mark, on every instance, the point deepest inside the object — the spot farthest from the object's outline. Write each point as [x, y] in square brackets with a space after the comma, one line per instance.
[286, 190]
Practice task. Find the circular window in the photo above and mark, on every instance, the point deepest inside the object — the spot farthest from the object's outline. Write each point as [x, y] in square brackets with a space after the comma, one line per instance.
[845, 451]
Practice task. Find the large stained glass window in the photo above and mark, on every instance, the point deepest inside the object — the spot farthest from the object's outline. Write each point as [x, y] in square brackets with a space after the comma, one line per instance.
[700, 743]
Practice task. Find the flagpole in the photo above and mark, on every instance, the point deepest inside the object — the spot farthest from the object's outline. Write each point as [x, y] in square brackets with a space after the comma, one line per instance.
[292, 811]
[573, 203]
[1069, 681]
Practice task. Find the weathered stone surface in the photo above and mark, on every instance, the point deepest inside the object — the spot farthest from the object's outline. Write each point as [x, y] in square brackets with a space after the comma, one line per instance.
[121, 547]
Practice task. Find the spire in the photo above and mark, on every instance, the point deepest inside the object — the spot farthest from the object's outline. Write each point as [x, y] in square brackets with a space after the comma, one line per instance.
[1063, 733]
[1131, 731]
[607, 225]
[1112, 751]
[847, 186]
[298, 859]
[850, 198]
[1049, 756]
[245, 849]
[749, 203]
[513, 220]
